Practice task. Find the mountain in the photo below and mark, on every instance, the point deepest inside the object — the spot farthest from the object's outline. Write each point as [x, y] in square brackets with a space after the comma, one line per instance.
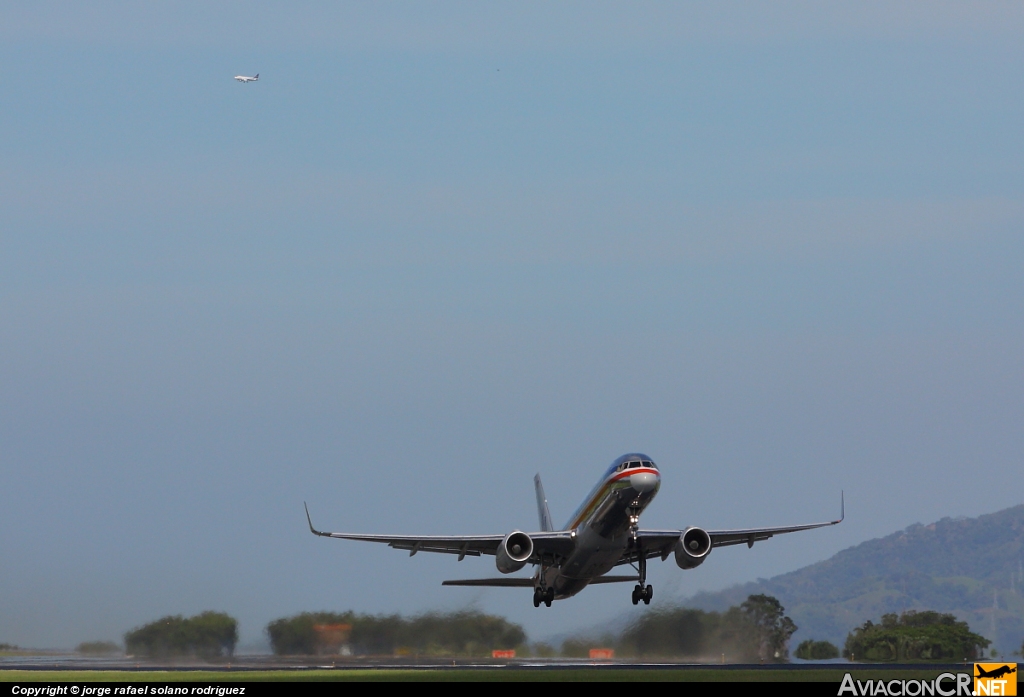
[971, 567]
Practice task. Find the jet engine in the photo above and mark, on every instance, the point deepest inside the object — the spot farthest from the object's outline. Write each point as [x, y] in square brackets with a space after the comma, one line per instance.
[513, 552]
[692, 548]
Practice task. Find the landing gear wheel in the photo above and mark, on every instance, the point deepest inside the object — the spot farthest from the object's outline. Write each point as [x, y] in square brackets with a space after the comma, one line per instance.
[536, 598]
[641, 593]
[549, 596]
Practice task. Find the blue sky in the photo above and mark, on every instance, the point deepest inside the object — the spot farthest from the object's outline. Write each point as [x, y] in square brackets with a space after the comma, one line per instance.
[439, 248]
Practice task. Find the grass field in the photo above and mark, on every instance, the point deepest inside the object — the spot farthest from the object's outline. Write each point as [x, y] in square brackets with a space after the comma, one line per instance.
[611, 673]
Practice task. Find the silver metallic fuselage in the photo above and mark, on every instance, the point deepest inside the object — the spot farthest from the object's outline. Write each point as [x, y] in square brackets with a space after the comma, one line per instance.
[602, 526]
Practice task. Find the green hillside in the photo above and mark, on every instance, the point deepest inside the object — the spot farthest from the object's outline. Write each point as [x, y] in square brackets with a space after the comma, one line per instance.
[958, 565]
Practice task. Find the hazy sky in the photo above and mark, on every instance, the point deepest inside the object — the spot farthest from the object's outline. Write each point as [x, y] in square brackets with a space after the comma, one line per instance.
[439, 247]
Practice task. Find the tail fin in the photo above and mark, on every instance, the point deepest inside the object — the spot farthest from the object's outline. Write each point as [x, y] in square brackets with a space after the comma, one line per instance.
[257, 76]
[542, 506]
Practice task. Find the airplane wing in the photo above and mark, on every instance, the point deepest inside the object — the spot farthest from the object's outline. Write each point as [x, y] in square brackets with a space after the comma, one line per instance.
[660, 543]
[548, 547]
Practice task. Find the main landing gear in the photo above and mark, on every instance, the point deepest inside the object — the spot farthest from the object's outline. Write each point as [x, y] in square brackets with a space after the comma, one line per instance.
[644, 594]
[543, 596]
[639, 591]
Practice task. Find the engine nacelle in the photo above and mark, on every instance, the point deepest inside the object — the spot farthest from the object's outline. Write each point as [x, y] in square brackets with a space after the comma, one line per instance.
[513, 552]
[692, 548]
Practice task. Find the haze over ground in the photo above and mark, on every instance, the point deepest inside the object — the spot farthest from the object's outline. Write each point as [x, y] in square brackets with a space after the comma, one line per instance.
[438, 248]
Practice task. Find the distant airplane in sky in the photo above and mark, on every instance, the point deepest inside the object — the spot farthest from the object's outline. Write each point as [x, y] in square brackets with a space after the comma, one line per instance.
[243, 78]
[603, 533]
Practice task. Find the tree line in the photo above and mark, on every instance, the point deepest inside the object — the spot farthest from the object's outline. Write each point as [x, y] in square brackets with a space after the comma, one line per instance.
[464, 633]
[756, 630]
[215, 634]
[759, 630]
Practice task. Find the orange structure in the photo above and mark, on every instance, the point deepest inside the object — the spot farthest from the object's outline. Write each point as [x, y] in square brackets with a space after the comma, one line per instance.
[332, 638]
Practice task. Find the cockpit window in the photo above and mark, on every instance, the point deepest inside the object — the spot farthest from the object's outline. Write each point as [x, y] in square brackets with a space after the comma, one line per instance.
[633, 464]
[648, 463]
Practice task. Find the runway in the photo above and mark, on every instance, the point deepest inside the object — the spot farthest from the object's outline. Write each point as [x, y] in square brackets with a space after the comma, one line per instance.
[241, 664]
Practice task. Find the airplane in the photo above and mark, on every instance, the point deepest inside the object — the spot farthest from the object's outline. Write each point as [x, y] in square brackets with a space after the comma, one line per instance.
[603, 533]
[994, 673]
[243, 78]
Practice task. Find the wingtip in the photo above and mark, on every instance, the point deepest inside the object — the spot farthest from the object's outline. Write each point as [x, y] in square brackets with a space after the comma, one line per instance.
[842, 506]
[310, 520]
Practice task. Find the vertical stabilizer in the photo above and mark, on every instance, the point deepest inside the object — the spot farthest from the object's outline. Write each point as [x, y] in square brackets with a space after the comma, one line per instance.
[542, 506]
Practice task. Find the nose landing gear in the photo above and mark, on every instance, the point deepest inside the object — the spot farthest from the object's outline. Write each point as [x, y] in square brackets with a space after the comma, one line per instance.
[546, 596]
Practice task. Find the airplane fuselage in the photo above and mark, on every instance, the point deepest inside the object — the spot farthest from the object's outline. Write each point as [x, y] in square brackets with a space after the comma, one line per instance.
[604, 525]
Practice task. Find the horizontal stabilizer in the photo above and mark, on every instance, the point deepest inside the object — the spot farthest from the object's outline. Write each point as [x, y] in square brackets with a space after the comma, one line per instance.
[500, 582]
[615, 579]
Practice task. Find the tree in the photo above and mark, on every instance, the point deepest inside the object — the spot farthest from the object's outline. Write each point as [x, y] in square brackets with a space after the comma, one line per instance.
[213, 634]
[97, 648]
[811, 650]
[773, 627]
[914, 636]
[208, 635]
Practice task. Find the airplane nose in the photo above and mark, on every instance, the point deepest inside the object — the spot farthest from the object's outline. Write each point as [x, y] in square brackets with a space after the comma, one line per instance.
[643, 481]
